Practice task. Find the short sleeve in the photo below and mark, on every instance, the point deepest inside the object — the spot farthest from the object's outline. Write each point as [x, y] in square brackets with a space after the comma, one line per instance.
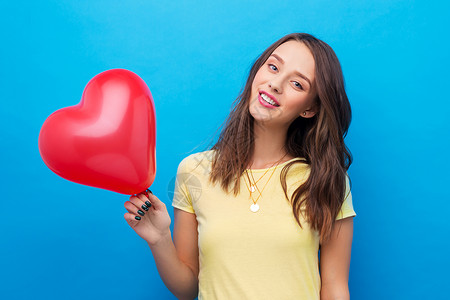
[181, 197]
[347, 207]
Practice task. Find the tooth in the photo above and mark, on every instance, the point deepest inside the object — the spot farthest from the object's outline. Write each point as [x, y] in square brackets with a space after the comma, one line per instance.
[268, 99]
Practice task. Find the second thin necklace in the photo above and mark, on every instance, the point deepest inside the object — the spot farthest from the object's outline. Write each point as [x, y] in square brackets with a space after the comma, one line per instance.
[252, 187]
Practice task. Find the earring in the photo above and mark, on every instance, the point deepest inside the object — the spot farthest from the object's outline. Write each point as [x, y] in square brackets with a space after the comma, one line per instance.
[304, 113]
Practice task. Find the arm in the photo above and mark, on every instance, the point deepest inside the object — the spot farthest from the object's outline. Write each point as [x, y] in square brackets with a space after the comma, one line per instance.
[335, 261]
[176, 261]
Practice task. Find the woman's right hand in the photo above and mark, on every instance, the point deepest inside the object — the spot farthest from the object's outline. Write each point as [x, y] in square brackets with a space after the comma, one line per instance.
[154, 225]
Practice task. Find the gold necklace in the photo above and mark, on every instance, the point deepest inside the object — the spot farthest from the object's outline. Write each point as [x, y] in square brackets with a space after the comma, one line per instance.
[253, 186]
[255, 207]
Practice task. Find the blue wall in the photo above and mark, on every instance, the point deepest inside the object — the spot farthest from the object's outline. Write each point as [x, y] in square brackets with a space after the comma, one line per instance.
[61, 240]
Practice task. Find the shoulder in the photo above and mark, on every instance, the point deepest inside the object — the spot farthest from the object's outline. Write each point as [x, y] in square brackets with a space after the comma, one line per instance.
[197, 161]
[298, 170]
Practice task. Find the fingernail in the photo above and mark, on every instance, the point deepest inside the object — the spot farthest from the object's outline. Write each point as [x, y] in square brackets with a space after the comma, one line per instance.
[140, 212]
[148, 191]
[148, 204]
[137, 218]
[144, 207]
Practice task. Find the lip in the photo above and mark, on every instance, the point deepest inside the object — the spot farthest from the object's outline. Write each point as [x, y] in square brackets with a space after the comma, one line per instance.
[264, 103]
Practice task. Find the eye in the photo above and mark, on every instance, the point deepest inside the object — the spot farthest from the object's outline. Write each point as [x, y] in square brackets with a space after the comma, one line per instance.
[273, 67]
[297, 84]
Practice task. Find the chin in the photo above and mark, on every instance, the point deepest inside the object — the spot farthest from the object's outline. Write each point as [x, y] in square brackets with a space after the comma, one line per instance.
[260, 114]
[261, 118]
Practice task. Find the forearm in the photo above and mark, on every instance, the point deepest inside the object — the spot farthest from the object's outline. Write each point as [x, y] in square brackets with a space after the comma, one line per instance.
[337, 292]
[334, 294]
[176, 275]
[334, 298]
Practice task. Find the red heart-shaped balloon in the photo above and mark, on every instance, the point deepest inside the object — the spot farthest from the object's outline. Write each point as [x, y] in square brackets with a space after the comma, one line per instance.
[108, 139]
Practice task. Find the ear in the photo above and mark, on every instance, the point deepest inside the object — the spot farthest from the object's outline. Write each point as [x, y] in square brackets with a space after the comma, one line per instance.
[308, 114]
[311, 111]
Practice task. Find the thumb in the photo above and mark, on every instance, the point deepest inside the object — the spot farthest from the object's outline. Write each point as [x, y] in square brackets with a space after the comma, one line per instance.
[156, 203]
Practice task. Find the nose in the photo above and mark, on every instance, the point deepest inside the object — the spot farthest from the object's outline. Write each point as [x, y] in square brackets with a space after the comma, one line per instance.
[274, 85]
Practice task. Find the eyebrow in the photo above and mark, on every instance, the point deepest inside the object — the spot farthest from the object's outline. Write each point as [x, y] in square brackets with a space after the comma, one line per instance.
[296, 72]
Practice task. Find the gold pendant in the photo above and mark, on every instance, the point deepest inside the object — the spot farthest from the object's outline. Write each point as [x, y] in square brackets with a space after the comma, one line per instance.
[254, 207]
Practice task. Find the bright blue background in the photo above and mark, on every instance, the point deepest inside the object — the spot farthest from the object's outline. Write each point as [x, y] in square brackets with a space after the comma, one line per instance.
[61, 240]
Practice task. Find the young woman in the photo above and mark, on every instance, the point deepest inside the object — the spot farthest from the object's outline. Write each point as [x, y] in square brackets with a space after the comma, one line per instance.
[252, 213]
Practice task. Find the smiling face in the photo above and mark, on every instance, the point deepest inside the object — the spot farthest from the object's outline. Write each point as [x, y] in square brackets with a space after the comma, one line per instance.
[283, 88]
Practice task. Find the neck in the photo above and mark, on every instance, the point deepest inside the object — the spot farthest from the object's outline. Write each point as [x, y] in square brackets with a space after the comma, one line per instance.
[269, 146]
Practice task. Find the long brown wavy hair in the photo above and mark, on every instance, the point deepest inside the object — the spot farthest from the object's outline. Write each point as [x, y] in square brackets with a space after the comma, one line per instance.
[318, 140]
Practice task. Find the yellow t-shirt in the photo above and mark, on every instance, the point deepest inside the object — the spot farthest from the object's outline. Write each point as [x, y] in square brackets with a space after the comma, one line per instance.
[248, 255]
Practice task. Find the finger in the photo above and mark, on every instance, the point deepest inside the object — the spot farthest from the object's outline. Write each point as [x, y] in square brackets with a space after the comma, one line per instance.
[139, 201]
[131, 208]
[156, 203]
[131, 219]
[140, 207]
[142, 202]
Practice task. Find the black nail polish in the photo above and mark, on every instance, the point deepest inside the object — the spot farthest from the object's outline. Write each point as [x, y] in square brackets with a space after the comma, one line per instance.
[144, 207]
[137, 218]
[140, 212]
[148, 204]
[148, 191]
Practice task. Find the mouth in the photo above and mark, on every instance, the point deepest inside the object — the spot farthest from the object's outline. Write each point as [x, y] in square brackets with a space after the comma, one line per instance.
[267, 100]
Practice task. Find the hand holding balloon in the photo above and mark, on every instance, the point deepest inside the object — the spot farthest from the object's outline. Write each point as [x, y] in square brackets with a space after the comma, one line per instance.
[148, 216]
[108, 139]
